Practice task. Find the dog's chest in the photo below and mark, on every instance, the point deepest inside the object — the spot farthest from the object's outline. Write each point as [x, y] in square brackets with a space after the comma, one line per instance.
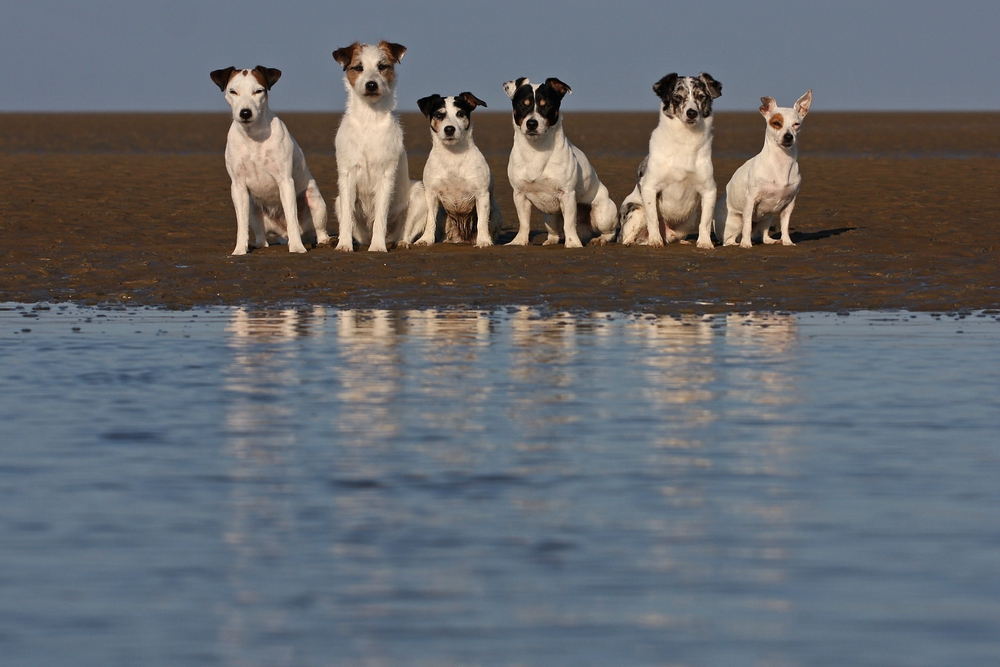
[543, 176]
[777, 186]
[457, 179]
[255, 166]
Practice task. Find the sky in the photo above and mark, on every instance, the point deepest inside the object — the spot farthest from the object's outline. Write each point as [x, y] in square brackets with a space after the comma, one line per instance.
[156, 55]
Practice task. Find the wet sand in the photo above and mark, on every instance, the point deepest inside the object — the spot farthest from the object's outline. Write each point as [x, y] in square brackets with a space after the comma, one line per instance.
[897, 211]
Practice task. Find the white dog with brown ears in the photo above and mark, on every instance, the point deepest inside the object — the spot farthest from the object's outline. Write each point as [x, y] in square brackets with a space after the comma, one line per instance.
[768, 183]
[549, 172]
[273, 192]
[377, 204]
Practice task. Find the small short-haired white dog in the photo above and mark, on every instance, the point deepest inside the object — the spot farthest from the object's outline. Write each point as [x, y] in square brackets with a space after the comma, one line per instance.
[377, 203]
[549, 172]
[273, 192]
[457, 178]
[676, 179]
[768, 183]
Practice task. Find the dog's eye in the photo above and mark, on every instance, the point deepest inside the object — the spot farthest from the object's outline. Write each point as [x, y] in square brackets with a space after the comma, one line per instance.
[439, 116]
[358, 68]
[460, 114]
[233, 92]
[258, 92]
[382, 67]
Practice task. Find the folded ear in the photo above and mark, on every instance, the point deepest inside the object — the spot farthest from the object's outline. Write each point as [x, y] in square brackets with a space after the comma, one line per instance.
[714, 87]
[511, 86]
[471, 100]
[345, 55]
[665, 86]
[221, 77]
[269, 75]
[803, 103]
[767, 105]
[558, 86]
[428, 104]
[394, 51]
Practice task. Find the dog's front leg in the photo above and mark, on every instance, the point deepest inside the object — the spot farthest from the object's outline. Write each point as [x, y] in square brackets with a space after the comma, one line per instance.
[430, 226]
[241, 202]
[567, 202]
[652, 215]
[523, 207]
[707, 215]
[786, 217]
[748, 207]
[347, 184]
[289, 202]
[383, 199]
[483, 208]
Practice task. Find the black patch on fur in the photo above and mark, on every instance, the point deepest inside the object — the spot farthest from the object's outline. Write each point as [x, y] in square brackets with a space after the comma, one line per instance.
[673, 93]
[642, 169]
[468, 102]
[428, 105]
[548, 97]
[630, 207]
[523, 101]
[221, 77]
[269, 74]
[345, 54]
[664, 89]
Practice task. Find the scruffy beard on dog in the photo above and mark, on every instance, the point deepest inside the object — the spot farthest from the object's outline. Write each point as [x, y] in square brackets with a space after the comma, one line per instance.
[273, 192]
[675, 190]
[550, 173]
[457, 179]
[377, 204]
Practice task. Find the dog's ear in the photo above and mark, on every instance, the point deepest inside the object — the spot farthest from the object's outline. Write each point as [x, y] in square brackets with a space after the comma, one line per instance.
[268, 76]
[714, 87]
[803, 103]
[558, 86]
[665, 86]
[471, 100]
[428, 104]
[511, 86]
[767, 105]
[394, 51]
[345, 55]
[221, 77]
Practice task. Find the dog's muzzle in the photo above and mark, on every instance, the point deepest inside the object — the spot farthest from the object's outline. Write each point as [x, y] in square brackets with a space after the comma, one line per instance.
[449, 130]
[371, 88]
[787, 140]
[532, 125]
[246, 115]
[692, 115]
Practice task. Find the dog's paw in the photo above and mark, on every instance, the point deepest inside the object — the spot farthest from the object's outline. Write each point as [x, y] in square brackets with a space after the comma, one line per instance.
[296, 247]
[768, 239]
[345, 247]
[655, 243]
[323, 242]
[706, 245]
[377, 247]
[786, 242]
[484, 243]
[260, 243]
[746, 244]
[551, 240]
[519, 240]
[239, 251]
[424, 241]
[597, 241]
[574, 243]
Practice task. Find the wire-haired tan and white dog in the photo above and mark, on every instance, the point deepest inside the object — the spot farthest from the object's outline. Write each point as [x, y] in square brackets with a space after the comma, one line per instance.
[552, 174]
[676, 180]
[457, 178]
[768, 183]
[273, 192]
[377, 204]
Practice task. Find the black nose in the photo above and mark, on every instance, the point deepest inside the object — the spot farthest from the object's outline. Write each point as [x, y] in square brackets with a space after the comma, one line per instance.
[371, 87]
[246, 114]
[532, 124]
[788, 138]
[449, 130]
[692, 113]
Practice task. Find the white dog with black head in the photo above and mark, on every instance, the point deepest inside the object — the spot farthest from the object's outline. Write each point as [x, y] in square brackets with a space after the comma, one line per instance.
[675, 190]
[457, 178]
[377, 204]
[273, 192]
[549, 172]
[768, 183]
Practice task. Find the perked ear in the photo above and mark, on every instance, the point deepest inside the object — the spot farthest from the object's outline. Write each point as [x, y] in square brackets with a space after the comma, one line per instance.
[714, 87]
[428, 104]
[471, 100]
[558, 86]
[221, 77]
[665, 86]
[767, 105]
[803, 103]
[395, 51]
[269, 74]
[511, 86]
[345, 55]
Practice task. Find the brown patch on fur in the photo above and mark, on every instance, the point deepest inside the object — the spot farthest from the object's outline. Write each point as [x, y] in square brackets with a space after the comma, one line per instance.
[221, 77]
[777, 121]
[266, 76]
[347, 57]
[435, 125]
[393, 51]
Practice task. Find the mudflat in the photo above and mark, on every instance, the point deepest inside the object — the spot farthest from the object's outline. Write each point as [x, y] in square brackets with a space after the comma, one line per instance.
[896, 211]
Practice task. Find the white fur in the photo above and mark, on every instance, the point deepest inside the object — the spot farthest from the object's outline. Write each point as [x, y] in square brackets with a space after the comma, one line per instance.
[377, 203]
[549, 172]
[457, 178]
[766, 185]
[272, 189]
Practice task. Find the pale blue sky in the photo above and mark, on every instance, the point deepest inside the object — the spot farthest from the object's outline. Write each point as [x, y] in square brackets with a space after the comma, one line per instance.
[156, 55]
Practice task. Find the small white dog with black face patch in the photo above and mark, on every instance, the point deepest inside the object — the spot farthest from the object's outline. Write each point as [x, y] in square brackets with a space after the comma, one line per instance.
[377, 204]
[549, 172]
[676, 180]
[457, 178]
[768, 183]
[273, 192]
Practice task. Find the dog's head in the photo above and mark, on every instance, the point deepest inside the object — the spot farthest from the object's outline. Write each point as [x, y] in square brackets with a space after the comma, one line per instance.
[687, 98]
[536, 105]
[450, 117]
[370, 70]
[246, 90]
[783, 123]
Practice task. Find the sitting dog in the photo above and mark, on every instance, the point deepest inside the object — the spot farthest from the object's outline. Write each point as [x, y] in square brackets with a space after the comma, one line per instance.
[552, 174]
[676, 177]
[377, 203]
[767, 184]
[273, 191]
[456, 174]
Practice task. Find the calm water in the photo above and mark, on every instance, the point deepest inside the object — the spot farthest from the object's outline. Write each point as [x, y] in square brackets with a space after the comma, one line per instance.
[381, 488]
